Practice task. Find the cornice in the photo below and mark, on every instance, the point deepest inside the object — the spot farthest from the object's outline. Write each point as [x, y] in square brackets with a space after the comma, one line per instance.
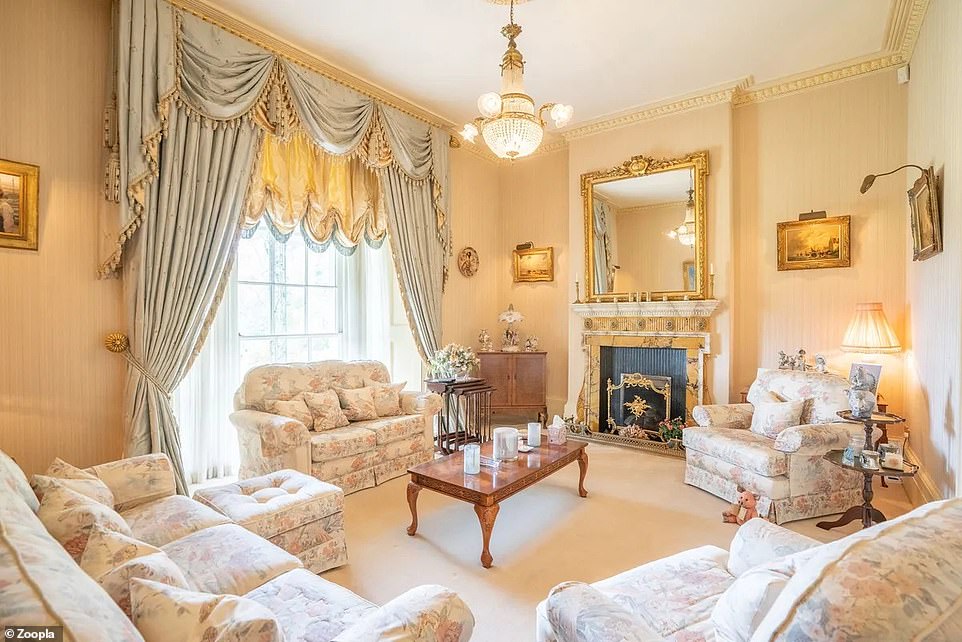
[280, 47]
[650, 206]
[713, 96]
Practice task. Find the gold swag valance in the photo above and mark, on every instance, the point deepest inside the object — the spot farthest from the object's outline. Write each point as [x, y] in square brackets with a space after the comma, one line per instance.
[332, 198]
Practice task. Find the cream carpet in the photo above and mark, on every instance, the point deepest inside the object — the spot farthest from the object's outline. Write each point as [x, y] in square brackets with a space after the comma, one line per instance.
[638, 509]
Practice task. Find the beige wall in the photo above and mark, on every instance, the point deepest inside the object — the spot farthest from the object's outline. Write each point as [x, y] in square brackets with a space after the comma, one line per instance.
[649, 258]
[704, 129]
[934, 309]
[61, 392]
[810, 151]
[533, 208]
[471, 304]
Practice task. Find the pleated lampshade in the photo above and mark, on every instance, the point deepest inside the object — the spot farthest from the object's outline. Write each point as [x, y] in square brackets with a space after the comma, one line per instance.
[869, 331]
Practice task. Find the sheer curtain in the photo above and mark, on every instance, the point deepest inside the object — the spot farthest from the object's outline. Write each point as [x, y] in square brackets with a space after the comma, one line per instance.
[204, 399]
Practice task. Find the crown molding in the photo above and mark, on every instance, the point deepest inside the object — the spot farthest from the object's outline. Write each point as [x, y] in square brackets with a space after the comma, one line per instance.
[712, 96]
[285, 49]
[637, 209]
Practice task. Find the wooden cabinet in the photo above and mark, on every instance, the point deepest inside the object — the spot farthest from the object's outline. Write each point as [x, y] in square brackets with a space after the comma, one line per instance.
[519, 379]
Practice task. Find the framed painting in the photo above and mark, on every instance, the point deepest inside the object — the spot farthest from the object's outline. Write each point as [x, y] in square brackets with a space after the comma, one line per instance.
[867, 374]
[534, 265]
[814, 244]
[926, 220]
[19, 187]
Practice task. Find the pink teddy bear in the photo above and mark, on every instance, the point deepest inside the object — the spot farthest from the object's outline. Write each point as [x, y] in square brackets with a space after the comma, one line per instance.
[743, 510]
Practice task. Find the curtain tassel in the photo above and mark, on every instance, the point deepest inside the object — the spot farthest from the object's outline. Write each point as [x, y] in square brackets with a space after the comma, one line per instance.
[119, 343]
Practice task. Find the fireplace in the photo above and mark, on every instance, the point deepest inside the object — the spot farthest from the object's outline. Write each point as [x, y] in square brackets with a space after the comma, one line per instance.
[650, 379]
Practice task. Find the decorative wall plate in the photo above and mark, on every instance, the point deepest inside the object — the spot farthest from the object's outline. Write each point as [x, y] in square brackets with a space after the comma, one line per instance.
[468, 261]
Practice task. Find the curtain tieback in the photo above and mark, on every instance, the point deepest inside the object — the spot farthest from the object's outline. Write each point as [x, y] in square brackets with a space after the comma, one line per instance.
[119, 343]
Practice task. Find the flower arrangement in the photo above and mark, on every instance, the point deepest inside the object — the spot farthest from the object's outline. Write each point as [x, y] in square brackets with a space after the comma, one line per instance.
[453, 360]
[671, 428]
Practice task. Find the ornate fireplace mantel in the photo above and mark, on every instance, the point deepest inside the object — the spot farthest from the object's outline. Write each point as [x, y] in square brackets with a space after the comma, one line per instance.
[701, 308]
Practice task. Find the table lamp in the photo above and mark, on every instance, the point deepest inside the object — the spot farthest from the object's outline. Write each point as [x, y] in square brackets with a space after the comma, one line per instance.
[869, 331]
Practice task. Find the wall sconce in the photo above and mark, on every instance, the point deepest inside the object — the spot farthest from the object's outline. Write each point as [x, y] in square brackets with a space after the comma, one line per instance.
[926, 217]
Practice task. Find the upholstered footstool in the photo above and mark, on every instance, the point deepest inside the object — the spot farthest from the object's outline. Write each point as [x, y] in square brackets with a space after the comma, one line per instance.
[297, 512]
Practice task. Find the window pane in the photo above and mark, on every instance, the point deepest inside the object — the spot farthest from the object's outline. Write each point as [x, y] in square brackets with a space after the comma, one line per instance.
[321, 267]
[288, 350]
[254, 256]
[253, 309]
[289, 265]
[254, 352]
[289, 309]
[325, 348]
[321, 310]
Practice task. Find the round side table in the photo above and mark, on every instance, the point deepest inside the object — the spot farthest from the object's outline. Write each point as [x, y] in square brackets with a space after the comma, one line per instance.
[869, 514]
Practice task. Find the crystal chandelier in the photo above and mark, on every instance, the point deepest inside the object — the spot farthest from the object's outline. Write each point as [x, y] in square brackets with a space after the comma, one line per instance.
[685, 233]
[509, 123]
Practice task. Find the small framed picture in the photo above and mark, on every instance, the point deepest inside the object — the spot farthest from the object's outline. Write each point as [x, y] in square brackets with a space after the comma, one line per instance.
[866, 374]
[534, 265]
[689, 275]
[818, 243]
[19, 187]
[926, 221]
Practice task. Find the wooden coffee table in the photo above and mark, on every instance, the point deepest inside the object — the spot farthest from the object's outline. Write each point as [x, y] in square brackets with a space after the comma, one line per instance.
[492, 485]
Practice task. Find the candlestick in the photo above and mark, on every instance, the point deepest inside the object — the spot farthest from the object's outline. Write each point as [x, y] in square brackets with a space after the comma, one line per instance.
[711, 269]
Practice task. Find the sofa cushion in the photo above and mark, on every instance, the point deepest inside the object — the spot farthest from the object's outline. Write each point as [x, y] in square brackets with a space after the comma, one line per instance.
[41, 585]
[60, 473]
[341, 442]
[295, 408]
[274, 503]
[310, 608]
[772, 417]
[167, 614]
[898, 580]
[740, 447]
[824, 393]
[388, 429]
[70, 516]
[12, 478]
[114, 559]
[229, 559]
[284, 381]
[387, 397]
[357, 403]
[675, 593]
[326, 409]
[170, 518]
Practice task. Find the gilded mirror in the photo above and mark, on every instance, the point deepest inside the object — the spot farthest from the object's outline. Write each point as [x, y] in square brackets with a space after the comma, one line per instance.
[645, 229]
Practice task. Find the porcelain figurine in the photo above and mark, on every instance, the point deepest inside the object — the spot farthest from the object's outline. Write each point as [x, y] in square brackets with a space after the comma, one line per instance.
[531, 344]
[485, 342]
[861, 397]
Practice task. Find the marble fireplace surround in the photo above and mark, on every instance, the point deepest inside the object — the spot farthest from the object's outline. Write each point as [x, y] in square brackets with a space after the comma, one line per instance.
[655, 324]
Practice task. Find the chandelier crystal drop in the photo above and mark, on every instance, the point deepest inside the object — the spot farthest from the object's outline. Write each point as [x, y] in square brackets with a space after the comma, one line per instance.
[685, 233]
[509, 123]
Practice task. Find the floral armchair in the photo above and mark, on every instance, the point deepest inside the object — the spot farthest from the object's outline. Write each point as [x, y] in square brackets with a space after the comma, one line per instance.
[788, 473]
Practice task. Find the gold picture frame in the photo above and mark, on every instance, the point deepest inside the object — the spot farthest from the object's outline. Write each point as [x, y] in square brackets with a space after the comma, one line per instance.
[815, 244]
[534, 265]
[19, 195]
[926, 219]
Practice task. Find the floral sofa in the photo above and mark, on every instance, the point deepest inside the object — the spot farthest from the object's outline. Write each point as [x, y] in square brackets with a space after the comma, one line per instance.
[898, 580]
[356, 456]
[42, 584]
[787, 473]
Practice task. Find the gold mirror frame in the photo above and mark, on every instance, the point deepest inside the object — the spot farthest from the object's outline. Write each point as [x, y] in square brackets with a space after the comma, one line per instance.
[643, 166]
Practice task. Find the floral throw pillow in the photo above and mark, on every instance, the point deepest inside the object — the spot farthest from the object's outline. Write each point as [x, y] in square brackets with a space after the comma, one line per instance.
[164, 613]
[326, 409]
[113, 559]
[62, 474]
[387, 397]
[771, 418]
[295, 408]
[69, 517]
[357, 403]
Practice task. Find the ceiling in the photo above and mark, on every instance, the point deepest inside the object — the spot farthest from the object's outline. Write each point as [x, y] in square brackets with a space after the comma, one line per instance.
[602, 56]
[661, 187]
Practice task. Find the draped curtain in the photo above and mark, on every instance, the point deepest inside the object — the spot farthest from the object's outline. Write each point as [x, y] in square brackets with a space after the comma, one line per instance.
[194, 106]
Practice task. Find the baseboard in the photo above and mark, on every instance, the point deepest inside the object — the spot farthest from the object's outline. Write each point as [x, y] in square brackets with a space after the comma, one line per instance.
[920, 488]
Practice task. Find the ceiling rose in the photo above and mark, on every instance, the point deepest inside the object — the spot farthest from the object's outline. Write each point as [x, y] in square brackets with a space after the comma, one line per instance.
[509, 123]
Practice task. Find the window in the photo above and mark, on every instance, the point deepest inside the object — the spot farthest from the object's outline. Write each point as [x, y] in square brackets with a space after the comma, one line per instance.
[289, 301]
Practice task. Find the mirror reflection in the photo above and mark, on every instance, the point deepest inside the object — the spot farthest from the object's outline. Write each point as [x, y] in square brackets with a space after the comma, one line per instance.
[644, 233]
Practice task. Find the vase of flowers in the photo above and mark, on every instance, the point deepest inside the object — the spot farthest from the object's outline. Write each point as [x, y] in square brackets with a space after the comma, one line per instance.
[671, 430]
[454, 361]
